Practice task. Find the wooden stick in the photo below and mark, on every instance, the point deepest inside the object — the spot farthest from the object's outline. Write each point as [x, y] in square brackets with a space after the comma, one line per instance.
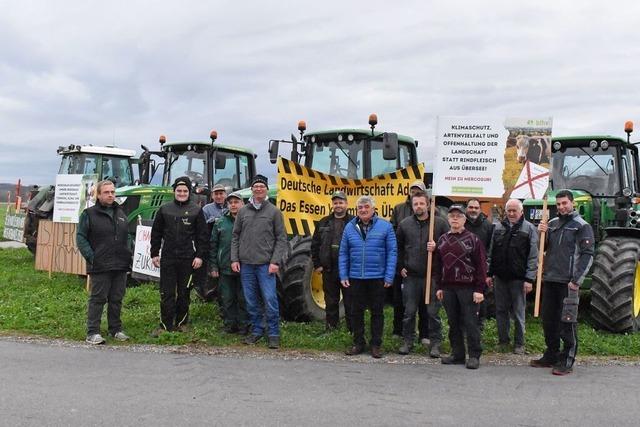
[88, 286]
[53, 246]
[543, 234]
[432, 221]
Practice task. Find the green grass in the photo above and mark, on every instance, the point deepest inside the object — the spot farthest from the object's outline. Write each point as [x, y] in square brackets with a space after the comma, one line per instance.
[33, 304]
[3, 214]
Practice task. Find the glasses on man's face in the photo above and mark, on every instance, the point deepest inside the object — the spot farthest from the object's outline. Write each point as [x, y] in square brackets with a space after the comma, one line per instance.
[456, 216]
[259, 186]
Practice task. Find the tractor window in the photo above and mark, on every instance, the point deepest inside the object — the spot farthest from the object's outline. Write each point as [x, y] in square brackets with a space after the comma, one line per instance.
[339, 158]
[381, 166]
[117, 169]
[83, 164]
[231, 169]
[188, 163]
[583, 169]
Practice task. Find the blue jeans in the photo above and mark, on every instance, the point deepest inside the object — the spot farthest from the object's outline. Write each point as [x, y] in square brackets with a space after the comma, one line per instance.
[260, 287]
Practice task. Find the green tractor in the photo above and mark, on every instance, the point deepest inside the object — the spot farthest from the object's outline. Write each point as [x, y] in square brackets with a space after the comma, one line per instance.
[106, 162]
[603, 173]
[348, 153]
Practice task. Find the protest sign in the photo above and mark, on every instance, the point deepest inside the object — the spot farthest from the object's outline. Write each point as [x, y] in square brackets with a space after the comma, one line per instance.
[57, 249]
[14, 226]
[483, 157]
[304, 194]
[532, 182]
[142, 253]
[74, 193]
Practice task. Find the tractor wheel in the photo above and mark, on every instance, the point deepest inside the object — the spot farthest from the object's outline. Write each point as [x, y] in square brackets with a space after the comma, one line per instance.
[301, 291]
[615, 285]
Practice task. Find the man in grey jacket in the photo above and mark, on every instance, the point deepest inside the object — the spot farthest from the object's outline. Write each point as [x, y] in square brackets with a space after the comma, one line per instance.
[513, 263]
[568, 257]
[258, 244]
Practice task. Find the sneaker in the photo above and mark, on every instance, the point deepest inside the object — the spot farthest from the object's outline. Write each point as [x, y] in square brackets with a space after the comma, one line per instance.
[354, 350]
[541, 363]
[252, 339]
[376, 353]
[519, 349]
[120, 336]
[405, 348]
[95, 339]
[450, 360]
[562, 370]
[473, 363]
[425, 342]
[274, 342]
[434, 350]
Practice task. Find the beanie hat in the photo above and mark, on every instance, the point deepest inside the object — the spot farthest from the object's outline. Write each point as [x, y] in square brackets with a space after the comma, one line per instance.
[260, 179]
[183, 180]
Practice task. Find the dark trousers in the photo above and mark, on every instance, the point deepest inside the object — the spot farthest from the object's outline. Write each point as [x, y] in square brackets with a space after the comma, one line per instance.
[368, 293]
[462, 313]
[234, 311]
[174, 292]
[107, 288]
[555, 330]
[413, 289]
[332, 289]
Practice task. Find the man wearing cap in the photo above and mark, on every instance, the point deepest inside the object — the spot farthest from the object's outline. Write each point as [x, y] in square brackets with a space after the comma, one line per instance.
[258, 246]
[400, 212]
[367, 263]
[463, 273]
[413, 236]
[218, 205]
[324, 253]
[179, 229]
[234, 313]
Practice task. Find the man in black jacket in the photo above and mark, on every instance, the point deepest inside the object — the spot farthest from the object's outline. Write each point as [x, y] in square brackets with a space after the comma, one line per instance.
[412, 236]
[102, 240]
[324, 253]
[178, 228]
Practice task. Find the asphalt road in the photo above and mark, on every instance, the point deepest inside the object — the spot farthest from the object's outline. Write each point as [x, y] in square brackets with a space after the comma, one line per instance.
[49, 384]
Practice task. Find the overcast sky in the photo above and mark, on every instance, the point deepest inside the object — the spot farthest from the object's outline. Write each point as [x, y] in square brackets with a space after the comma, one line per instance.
[125, 72]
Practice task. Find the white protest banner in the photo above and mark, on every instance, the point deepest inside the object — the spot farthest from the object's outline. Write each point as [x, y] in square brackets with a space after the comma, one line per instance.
[74, 193]
[532, 182]
[14, 226]
[142, 253]
[483, 157]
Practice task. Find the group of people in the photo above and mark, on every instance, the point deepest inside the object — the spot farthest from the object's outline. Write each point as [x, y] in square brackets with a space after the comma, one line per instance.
[243, 246]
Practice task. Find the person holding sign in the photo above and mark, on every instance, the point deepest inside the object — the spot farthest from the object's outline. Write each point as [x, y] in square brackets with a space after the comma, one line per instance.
[513, 263]
[102, 239]
[233, 305]
[180, 229]
[324, 253]
[413, 236]
[463, 274]
[367, 263]
[568, 257]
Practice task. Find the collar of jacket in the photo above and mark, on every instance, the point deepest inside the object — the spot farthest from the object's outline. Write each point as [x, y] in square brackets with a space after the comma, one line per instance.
[262, 204]
[418, 220]
[181, 203]
[478, 220]
[111, 206]
[507, 224]
[569, 216]
[231, 217]
[372, 221]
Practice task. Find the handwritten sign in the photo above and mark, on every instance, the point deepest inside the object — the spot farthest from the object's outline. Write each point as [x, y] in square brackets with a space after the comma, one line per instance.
[59, 238]
[142, 253]
[14, 227]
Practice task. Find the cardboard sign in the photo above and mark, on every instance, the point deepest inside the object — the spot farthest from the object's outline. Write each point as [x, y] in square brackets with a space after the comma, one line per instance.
[14, 227]
[142, 253]
[484, 157]
[532, 182]
[74, 193]
[56, 248]
[304, 195]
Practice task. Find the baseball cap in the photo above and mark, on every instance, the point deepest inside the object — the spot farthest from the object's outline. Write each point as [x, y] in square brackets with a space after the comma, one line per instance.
[458, 208]
[338, 195]
[218, 187]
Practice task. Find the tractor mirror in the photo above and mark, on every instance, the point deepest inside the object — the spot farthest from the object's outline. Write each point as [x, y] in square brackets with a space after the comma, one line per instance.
[221, 161]
[389, 146]
[273, 151]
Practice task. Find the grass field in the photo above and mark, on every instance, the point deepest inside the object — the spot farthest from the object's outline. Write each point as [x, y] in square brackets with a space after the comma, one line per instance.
[3, 214]
[32, 304]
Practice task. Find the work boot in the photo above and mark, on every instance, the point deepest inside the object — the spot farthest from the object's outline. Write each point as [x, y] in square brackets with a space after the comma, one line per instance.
[473, 363]
[243, 330]
[434, 350]
[543, 362]
[273, 342]
[354, 350]
[519, 349]
[405, 348]
[562, 370]
[450, 360]
[158, 331]
[376, 353]
[252, 339]
[183, 328]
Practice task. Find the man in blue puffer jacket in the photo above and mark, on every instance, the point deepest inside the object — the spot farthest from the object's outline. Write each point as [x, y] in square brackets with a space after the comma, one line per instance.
[367, 263]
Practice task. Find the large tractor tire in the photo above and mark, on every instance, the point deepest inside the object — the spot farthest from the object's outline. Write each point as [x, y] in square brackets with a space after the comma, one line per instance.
[301, 291]
[615, 285]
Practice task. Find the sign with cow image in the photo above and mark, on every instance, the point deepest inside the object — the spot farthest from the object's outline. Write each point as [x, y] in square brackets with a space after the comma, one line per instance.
[492, 157]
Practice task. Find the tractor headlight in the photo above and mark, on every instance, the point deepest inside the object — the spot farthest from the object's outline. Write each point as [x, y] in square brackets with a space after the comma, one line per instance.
[604, 144]
[557, 145]
[593, 144]
[626, 192]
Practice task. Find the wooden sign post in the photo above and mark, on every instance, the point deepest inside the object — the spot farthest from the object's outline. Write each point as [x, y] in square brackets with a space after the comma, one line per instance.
[543, 235]
[432, 221]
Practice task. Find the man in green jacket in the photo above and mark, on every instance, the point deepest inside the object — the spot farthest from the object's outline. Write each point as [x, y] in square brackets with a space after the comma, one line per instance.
[234, 311]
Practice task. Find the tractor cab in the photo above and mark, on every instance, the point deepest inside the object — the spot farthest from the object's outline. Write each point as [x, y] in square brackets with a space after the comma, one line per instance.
[110, 163]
